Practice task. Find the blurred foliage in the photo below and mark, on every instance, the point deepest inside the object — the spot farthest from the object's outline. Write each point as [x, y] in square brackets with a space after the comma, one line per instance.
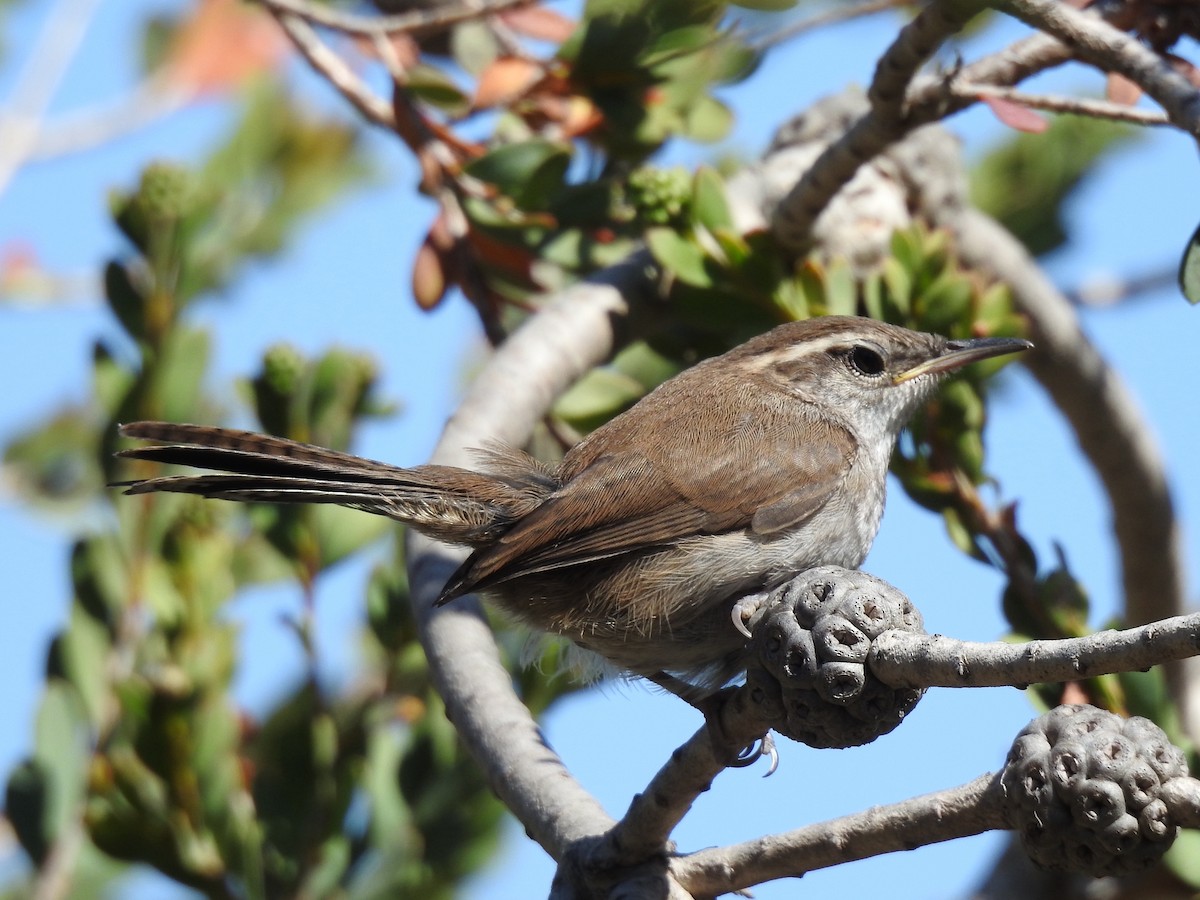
[140, 754]
[560, 192]
[1025, 182]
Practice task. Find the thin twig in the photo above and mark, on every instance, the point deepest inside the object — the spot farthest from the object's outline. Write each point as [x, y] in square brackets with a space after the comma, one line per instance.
[830, 16]
[416, 22]
[1078, 106]
[334, 69]
[1108, 424]
[1102, 291]
[653, 814]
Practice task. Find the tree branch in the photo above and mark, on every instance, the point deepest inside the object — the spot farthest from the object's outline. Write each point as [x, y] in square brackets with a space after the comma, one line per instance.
[334, 69]
[827, 17]
[1077, 106]
[885, 124]
[645, 828]
[1095, 41]
[973, 808]
[903, 659]
[1110, 428]
[510, 395]
[48, 62]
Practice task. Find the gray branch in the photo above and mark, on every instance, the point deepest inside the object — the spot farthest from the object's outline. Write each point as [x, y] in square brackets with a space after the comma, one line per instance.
[1095, 41]
[1110, 428]
[883, 126]
[929, 819]
[903, 659]
[510, 395]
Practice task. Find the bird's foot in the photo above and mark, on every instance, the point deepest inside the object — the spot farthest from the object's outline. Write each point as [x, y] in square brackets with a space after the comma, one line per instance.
[729, 745]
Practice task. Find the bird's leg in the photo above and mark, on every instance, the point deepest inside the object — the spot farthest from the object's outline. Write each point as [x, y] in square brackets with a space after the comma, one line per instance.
[711, 705]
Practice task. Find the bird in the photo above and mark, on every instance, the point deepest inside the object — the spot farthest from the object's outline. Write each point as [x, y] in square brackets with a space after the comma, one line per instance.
[644, 543]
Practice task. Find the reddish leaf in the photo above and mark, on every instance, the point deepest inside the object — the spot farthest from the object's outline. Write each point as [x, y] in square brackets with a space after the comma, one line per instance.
[1014, 115]
[539, 23]
[222, 44]
[1119, 89]
[1073, 693]
[502, 257]
[504, 80]
[429, 281]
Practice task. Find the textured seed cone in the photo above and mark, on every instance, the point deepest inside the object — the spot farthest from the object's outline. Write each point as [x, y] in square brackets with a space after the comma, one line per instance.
[809, 652]
[1082, 789]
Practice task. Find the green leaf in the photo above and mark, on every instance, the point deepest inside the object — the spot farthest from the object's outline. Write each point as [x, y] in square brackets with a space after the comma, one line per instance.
[178, 377]
[709, 206]
[707, 119]
[474, 46]
[872, 291]
[597, 397]
[27, 808]
[1189, 270]
[1184, 858]
[960, 534]
[325, 874]
[341, 532]
[841, 291]
[437, 89]
[125, 299]
[62, 750]
[112, 379]
[679, 256]
[792, 300]
[898, 279]
[512, 167]
[945, 302]
[80, 655]
[649, 367]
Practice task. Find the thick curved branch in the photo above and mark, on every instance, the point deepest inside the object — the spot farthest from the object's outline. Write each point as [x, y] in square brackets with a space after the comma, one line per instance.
[511, 394]
[1110, 428]
[885, 124]
[903, 659]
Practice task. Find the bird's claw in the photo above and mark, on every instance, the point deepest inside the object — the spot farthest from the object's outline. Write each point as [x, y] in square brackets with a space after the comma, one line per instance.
[752, 753]
[745, 609]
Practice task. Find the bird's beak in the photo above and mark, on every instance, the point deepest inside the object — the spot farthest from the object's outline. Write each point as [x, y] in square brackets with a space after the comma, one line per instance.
[960, 353]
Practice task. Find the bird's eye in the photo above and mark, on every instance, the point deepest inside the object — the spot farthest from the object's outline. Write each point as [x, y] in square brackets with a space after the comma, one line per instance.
[865, 361]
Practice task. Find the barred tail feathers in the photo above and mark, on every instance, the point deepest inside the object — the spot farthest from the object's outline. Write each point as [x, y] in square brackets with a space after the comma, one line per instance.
[454, 505]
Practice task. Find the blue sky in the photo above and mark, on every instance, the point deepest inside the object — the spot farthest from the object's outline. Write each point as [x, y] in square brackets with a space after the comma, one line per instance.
[345, 281]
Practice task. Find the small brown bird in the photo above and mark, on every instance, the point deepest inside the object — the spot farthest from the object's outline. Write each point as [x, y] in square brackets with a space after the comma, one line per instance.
[726, 480]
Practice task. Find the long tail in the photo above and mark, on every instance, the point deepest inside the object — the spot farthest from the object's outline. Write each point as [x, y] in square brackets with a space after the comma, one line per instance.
[454, 505]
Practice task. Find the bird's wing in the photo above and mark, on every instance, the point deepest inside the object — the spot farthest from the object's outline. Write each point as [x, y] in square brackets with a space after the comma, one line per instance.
[773, 469]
